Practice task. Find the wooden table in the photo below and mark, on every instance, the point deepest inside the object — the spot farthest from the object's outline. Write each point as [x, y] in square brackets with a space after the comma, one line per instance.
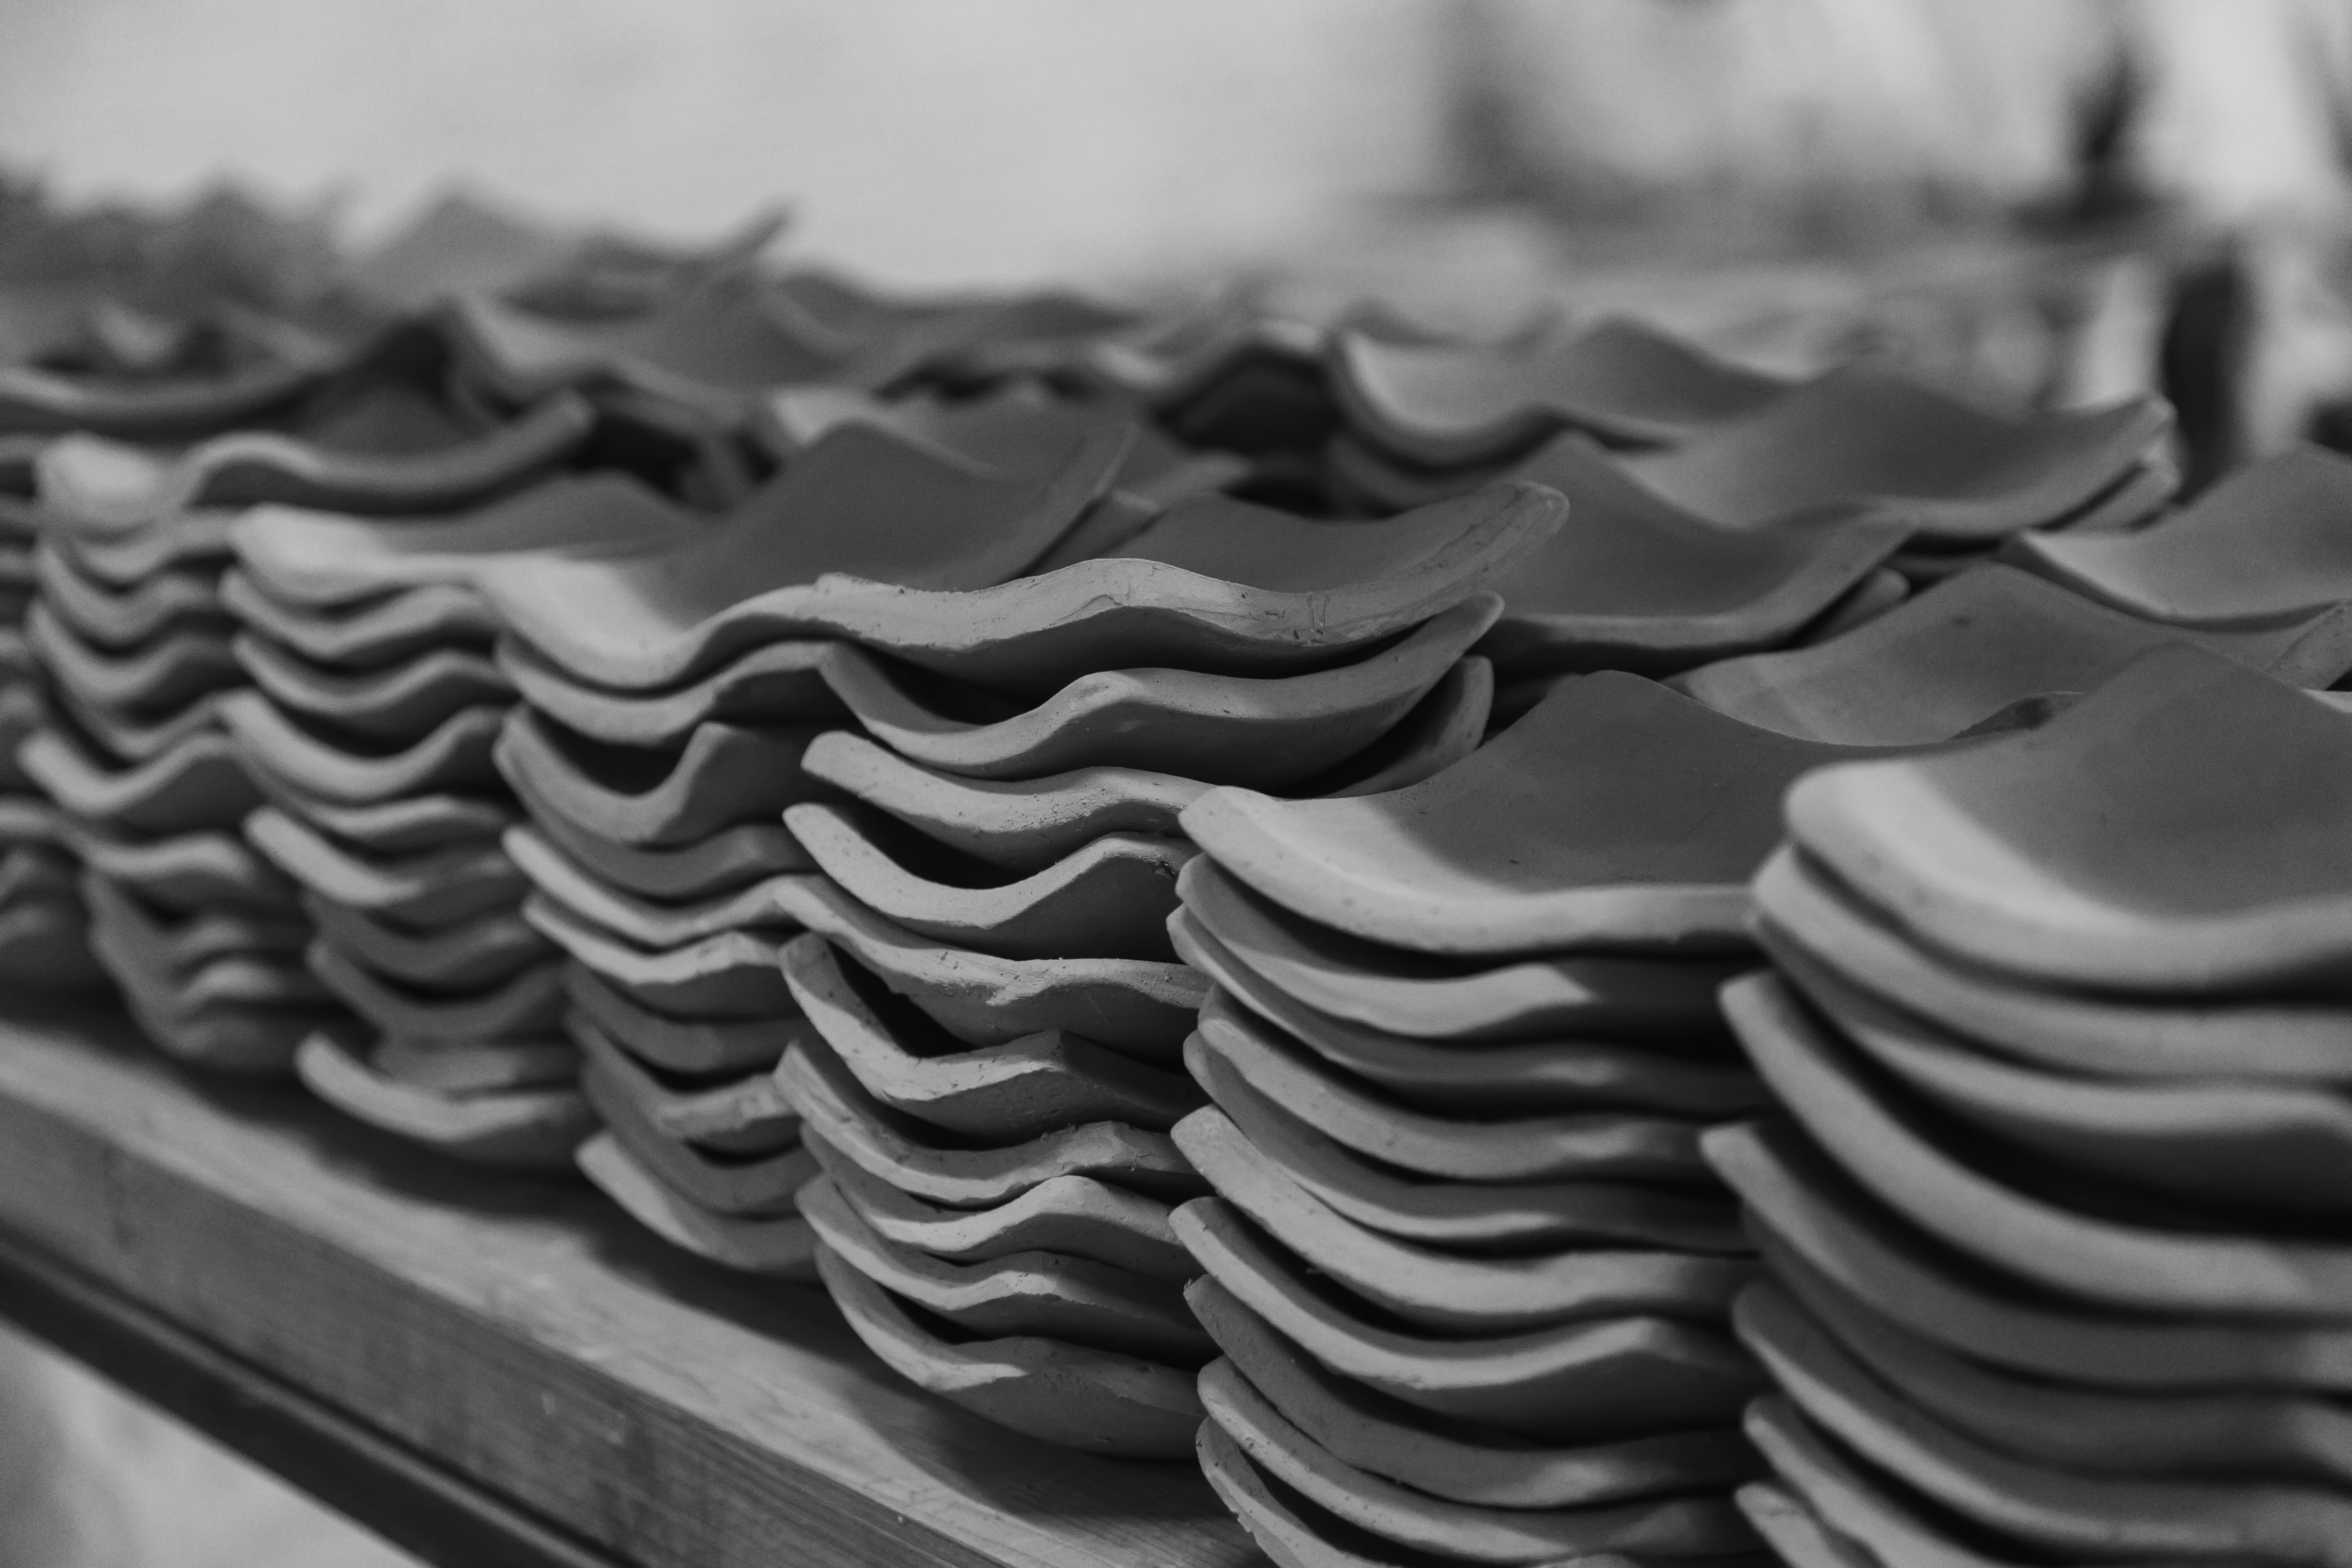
[491, 1369]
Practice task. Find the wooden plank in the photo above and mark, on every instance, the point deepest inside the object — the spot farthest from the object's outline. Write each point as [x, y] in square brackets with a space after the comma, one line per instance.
[529, 1337]
[407, 1498]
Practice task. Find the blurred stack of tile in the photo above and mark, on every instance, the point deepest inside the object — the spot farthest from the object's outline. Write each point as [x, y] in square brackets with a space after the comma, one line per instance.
[78, 360]
[70, 358]
[205, 936]
[1227, 375]
[1469, 1272]
[1991, 648]
[1017, 422]
[127, 629]
[2052, 1211]
[696, 349]
[2264, 547]
[1230, 378]
[1233, 376]
[1867, 442]
[666, 702]
[992, 1059]
[44, 935]
[462, 244]
[1425, 418]
[688, 363]
[377, 702]
[1422, 418]
[1759, 514]
[2259, 569]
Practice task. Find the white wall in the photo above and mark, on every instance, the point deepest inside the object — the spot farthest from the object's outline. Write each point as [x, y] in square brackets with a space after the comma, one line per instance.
[89, 1479]
[926, 140]
[1769, 100]
[999, 140]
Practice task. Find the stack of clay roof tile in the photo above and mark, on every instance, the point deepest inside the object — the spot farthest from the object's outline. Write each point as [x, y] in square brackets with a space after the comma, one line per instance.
[667, 699]
[996, 1014]
[1424, 418]
[154, 437]
[375, 703]
[1470, 1277]
[2051, 1207]
[1797, 523]
[369, 727]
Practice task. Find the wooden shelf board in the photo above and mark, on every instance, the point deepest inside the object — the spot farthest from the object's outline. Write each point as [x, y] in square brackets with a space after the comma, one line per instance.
[530, 1339]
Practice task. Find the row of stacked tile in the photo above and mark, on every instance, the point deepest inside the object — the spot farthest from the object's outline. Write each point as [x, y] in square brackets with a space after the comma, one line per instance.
[378, 704]
[991, 1301]
[811, 787]
[989, 1015]
[980, 938]
[1343, 1430]
[129, 435]
[369, 720]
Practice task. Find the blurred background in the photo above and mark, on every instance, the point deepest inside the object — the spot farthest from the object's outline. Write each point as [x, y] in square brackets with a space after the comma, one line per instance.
[2062, 198]
[2057, 200]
